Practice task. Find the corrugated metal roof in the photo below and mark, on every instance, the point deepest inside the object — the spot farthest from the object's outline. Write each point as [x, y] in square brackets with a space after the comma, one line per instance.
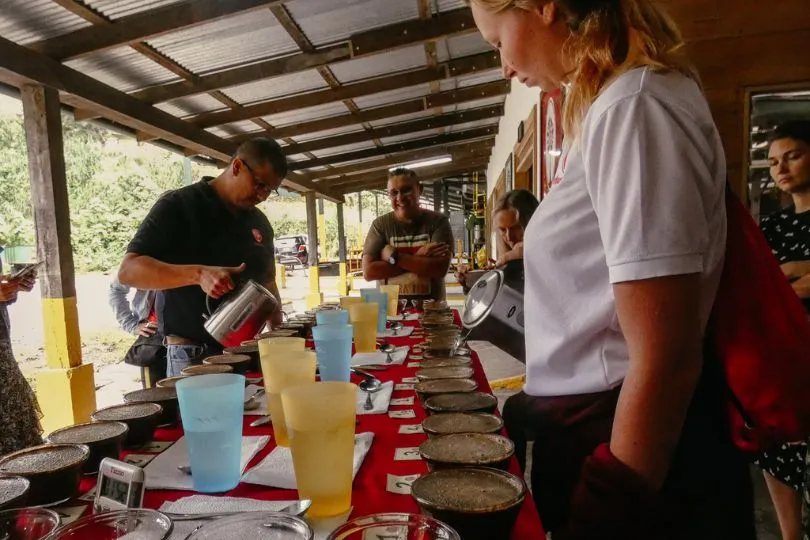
[190, 105]
[229, 42]
[29, 21]
[328, 133]
[329, 21]
[380, 64]
[473, 125]
[392, 96]
[344, 149]
[463, 45]
[310, 113]
[116, 9]
[410, 136]
[122, 68]
[472, 79]
[448, 5]
[402, 118]
[267, 89]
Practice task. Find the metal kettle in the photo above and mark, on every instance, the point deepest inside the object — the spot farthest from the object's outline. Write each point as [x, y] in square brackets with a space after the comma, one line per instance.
[241, 315]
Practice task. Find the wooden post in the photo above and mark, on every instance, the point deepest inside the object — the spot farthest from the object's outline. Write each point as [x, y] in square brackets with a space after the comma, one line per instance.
[343, 284]
[314, 298]
[66, 390]
[437, 186]
[445, 199]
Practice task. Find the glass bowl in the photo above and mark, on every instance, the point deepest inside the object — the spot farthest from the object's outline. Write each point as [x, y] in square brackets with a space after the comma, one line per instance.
[254, 526]
[27, 523]
[135, 523]
[399, 526]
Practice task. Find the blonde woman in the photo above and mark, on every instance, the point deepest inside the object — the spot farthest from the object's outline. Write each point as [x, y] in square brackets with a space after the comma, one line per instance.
[622, 263]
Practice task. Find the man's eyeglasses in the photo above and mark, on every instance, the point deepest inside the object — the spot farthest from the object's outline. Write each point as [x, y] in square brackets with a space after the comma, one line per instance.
[258, 184]
[404, 192]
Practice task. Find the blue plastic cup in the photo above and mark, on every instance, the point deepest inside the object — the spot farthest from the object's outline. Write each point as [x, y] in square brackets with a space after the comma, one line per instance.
[376, 295]
[333, 348]
[332, 316]
[212, 408]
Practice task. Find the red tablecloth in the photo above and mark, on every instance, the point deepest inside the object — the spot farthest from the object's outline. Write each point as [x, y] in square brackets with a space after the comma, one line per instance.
[369, 494]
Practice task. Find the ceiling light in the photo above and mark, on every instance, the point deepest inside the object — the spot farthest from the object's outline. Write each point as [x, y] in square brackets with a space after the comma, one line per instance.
[426, 163]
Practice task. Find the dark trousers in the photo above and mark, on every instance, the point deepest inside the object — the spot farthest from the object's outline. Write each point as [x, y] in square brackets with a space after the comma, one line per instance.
[708, 487]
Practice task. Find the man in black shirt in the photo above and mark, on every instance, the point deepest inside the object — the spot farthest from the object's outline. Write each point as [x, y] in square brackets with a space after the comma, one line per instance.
[203, 240]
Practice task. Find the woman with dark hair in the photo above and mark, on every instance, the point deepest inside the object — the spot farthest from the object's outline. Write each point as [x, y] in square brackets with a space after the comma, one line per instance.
[510, 216]
[788, 235]
[622, 262]
[19, 411]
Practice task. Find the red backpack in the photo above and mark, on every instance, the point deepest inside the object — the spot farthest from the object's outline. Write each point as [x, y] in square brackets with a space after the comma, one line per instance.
[760, 333]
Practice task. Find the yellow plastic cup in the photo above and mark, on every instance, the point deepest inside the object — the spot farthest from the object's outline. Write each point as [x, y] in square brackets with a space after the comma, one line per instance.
[363, 317]
[282, 369]
[346, 301]
[393, 298]
[320, 420]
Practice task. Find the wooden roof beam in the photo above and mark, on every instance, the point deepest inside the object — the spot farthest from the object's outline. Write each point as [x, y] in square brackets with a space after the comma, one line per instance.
[402, 128]
[454, 68]
[361, 44]
[425, 172]
[426, 175]
[424, 103]
[488, 132]
[144, 25]
[19, 65]
[458, 151]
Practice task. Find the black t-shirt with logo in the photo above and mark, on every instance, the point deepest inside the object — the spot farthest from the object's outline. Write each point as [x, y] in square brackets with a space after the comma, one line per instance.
[192, 225]
[788, 235]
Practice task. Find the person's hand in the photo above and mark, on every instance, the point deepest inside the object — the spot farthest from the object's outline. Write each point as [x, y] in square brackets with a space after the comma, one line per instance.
[461, 273]
[387, 252]
[26, 283]
[145, 329]
[216, 281]
[8, 291]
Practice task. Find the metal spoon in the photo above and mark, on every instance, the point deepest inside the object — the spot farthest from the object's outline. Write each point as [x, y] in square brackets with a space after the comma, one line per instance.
[369, 385]
[261, 421]
[388, 348]
[254, 402]
[298, 508]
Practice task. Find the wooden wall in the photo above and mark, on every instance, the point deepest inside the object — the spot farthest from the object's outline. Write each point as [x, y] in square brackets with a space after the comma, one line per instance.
[739, 45]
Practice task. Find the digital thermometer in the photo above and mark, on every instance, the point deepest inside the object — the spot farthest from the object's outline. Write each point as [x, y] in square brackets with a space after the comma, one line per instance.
[120, 486]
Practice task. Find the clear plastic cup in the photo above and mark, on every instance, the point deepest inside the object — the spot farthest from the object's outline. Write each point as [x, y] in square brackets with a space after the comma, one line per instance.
[212, 408]
[320, 419]
[363, 317]
[333, 347]
[381, 299]
[332, 316]
[282, 369]
[393, 298]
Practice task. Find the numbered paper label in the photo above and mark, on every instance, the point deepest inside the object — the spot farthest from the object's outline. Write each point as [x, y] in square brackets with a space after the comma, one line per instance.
[402, 401]
[410, 380]
[408, 413]
[69, 514]
[155, 446]
[416, 357]
[414, 364]
[141, 460]
[404, 386]
[400, 484]
[407, 454]
[409, 429]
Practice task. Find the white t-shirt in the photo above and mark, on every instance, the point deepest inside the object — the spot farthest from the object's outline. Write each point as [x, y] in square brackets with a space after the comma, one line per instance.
[639, 195]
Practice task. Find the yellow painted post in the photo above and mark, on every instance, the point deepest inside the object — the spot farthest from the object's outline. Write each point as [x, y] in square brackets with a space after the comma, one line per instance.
[315, 297]
[459, 248]
[281, 276]
[343, 286]
[66, 389]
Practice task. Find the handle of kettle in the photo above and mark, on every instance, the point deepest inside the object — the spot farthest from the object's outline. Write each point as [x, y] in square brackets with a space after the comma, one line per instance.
[207, 308]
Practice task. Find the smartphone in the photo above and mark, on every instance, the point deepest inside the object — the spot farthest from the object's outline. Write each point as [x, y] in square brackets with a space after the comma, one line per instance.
[25, 271]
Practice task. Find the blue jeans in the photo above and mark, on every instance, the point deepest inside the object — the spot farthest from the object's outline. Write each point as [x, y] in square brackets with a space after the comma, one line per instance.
[179, 357]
